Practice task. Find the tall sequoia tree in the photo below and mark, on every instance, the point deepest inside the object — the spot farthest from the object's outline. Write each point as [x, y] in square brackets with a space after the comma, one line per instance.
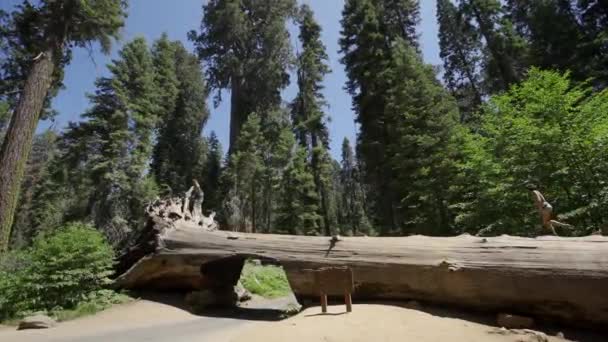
[460, 48]
[53, 27]
[505, 56]
[246, 49]
[180, 151]
[369, 30]
[564, 36]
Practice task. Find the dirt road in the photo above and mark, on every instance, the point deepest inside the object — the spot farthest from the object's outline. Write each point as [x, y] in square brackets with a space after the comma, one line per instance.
[142, 320]
[162, 320]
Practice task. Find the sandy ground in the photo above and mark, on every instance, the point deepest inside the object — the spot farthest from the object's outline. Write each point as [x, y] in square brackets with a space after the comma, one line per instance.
[166, 319]
[141, 320]
[382, 323]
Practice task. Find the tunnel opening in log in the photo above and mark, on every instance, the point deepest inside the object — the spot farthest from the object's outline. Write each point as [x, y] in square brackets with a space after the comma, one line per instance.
[261, 276]
[265, 278]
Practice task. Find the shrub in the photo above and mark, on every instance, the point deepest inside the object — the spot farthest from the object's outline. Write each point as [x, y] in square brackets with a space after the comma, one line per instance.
[59, 271]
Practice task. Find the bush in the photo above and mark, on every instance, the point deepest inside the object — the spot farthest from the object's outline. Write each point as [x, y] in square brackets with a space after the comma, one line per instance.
[59, 271]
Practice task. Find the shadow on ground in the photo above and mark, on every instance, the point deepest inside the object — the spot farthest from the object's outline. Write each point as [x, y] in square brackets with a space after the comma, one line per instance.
[273, 310]
[259, 310]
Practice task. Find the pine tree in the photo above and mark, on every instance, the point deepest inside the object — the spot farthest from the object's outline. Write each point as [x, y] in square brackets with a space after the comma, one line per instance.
[307, 109]
[212, 172]
[562, 37]
[460, 48]
[353, 212]
[506, 52]
[52, 28]
[245, 46]
[179, 154]
[116, 142]
[298, 211]
[425, 117]
[164, 57]
[369, 31]
[277, 145]
[43, 151]
[243, 178]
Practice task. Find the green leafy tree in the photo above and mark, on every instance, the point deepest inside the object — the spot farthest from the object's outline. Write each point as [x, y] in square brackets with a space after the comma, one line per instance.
[59, 270]
[245, 46]
[545, 133]
[298, 212]
[52, 27]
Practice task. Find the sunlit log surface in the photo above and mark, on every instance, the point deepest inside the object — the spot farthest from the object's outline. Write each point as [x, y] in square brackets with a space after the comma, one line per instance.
[564, 279]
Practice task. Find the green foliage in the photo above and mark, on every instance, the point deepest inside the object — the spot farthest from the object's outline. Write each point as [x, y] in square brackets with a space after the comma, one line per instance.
[34, 27]
[460, 48]
[548, 133]
[59, 271]
[97, 301]
[25, 226]
[369, 31]
[4, 116]
[353, 218]
[298, 211]
[307, 108]
[266, 281]
[243, 177]
[424, 116]
[180, 152]
[245, 46]
[212, 172]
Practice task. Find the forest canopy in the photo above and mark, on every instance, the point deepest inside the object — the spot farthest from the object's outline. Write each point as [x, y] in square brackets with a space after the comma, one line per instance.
[519, 103]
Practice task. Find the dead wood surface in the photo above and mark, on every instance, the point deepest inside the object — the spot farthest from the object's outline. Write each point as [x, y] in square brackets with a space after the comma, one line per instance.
[565, 279]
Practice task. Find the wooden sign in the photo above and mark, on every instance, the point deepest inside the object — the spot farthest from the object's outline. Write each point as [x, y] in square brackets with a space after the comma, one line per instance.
[335, 281]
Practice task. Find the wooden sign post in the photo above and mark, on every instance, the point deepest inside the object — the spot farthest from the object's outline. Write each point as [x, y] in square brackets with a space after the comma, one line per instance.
[335, 281]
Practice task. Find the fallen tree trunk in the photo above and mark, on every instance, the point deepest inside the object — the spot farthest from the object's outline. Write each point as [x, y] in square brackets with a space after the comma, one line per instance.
[564, 279]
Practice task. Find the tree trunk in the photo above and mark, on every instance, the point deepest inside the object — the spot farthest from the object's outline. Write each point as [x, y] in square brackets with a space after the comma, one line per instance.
[507, 73]
[564, 279]
[18, 140]
[236, 115]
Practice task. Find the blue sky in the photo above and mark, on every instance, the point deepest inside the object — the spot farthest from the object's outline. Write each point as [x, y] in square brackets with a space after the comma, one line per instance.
[150, 18]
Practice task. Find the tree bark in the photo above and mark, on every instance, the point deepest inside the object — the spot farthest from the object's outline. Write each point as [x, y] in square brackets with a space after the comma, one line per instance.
[18, 140]
[563, 279]
[236, 115]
